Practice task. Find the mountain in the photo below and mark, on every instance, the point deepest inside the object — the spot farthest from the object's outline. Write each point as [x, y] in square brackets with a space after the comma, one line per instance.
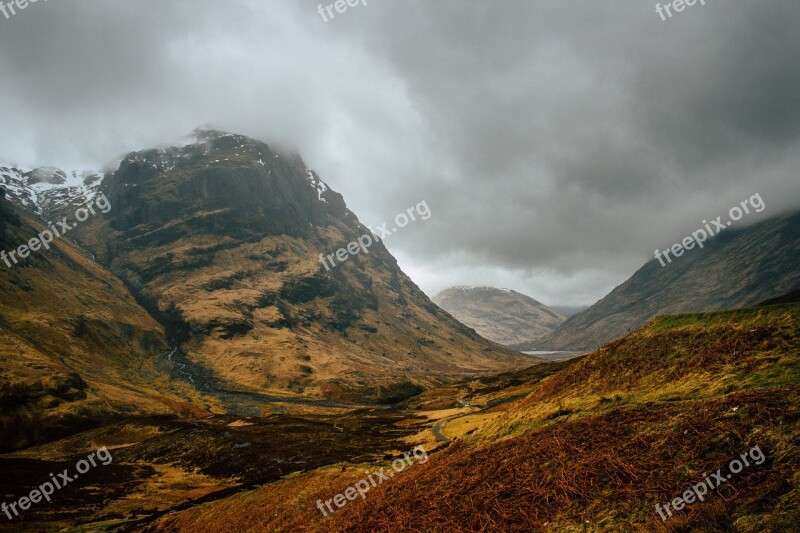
[219, 241]
[188, 325]
[738, 268]
[502, 315]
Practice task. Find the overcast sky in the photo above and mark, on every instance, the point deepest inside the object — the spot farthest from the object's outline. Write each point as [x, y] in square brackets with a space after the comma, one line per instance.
[557, 143]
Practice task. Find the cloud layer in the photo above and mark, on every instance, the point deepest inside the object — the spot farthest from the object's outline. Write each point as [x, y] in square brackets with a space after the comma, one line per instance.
[557, 143]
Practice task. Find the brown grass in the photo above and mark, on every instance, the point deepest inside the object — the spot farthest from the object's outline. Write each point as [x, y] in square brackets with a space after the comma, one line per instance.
[596, 446]
[605, 471]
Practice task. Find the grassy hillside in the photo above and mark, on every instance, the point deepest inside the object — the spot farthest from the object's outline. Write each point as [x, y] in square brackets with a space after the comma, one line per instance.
[593, 447]
[674, 358]
[76, 348]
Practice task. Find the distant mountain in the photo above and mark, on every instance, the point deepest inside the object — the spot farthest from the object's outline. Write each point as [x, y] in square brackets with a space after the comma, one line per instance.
[569, 310]
[739, 268]
[219, 241]
[502, 315]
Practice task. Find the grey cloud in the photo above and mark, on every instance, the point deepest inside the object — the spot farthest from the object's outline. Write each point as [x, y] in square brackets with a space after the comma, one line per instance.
[557, 143]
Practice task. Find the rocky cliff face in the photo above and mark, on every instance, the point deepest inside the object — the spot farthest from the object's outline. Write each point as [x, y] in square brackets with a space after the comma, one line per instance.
[502, 315]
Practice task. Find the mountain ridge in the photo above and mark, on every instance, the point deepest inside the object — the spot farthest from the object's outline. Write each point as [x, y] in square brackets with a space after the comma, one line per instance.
[757, 263]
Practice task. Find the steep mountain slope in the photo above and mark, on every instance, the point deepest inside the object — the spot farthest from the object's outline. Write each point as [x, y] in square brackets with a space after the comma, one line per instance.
[76, 348]
[220, 239]
[594, 447]
[739, 268]
[502, 315]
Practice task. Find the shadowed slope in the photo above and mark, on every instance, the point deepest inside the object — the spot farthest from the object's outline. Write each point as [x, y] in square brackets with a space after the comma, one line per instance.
[738, 268]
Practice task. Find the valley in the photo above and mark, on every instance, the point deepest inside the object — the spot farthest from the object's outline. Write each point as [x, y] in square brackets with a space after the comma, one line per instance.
[451, 266]
[598, 440]
[192, 331]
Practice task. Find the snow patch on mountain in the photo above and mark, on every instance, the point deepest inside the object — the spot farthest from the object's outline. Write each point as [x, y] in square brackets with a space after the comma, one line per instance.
[44, 190]
[317, 184]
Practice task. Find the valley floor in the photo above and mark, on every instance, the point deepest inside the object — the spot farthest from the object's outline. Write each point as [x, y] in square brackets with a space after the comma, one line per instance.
[164, 465]
[593, 443]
